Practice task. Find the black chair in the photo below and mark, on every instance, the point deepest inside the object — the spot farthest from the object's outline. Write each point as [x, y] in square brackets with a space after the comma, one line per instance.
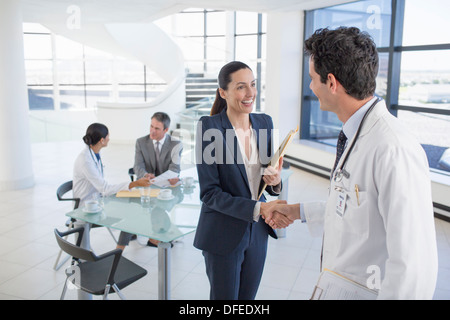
[61, 195]
[97, 275]
[131, 174]
[63, 189]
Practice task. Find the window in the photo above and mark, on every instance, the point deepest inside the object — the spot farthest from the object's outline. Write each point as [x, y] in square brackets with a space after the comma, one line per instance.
[200, 33]
[249, 47]
[39, 66]
[414, 74]
[426, 22]
[64, 74]
[204, 38]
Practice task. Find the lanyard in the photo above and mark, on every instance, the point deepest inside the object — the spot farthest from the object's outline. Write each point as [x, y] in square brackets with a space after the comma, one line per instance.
[341, 172]
[97, 162]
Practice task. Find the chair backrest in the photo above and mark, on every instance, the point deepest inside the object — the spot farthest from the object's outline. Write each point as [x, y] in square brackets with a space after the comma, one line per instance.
[63, 189]
[74, 250]
[131, 174]
[87, 255]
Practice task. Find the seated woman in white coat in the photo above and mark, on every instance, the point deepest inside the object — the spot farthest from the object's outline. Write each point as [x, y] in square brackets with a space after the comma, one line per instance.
[88, 177]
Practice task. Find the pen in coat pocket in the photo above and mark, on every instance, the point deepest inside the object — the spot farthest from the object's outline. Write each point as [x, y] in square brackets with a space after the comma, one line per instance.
[357, 193]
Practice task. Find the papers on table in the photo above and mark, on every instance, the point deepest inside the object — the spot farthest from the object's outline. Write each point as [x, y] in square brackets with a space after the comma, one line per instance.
[333, 286]
[162, 180]
[128, 194]
[136, 193]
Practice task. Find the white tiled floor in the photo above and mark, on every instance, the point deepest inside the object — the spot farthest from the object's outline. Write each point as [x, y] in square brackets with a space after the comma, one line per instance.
[28, 250]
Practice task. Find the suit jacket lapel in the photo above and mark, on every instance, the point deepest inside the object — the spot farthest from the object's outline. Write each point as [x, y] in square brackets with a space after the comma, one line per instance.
[165, 149]
[231, 142]
[256, 125]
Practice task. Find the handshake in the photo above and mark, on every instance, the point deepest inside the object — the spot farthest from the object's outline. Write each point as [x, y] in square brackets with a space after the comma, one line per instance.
[278, 214]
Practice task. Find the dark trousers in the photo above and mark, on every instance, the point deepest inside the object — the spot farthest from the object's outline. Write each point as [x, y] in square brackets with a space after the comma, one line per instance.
[236, 276]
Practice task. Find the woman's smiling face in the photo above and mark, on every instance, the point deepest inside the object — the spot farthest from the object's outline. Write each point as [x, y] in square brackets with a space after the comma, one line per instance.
[241, 92]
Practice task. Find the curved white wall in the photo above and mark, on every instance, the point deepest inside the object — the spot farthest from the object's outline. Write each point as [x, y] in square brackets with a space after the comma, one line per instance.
[157, 51]
[151, 46]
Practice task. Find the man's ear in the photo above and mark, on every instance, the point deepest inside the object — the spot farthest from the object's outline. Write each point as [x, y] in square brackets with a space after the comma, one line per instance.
[332, 82]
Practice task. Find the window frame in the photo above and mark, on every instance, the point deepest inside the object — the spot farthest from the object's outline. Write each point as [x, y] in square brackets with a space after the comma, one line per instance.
[394, 51]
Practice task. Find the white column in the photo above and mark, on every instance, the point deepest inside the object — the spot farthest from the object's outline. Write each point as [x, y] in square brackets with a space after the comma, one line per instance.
[16, 171]
[229, 36]
[56, 97]
[284, 69]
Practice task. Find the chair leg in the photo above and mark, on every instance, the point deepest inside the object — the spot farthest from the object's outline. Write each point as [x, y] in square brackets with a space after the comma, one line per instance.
[57, 266]
[112, 235]
[63, 293]
[119, 293]
[105, 294]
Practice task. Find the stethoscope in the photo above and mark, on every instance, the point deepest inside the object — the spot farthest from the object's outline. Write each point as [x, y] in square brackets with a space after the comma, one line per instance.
[98, 163]
[341, 172]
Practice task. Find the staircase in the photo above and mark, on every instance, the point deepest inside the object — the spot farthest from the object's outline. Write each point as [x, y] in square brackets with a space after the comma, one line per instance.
[198, 87]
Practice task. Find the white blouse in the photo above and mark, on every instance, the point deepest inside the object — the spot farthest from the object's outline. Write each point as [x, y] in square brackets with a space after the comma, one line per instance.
[252, 168]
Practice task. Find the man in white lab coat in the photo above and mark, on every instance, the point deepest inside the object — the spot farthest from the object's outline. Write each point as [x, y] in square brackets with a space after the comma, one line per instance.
[377, 225]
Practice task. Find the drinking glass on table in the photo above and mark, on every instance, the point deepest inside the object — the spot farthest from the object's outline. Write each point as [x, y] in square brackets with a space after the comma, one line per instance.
[145, 196]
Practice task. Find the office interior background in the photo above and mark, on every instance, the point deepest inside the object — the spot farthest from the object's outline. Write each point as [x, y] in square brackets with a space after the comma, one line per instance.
[66, 64]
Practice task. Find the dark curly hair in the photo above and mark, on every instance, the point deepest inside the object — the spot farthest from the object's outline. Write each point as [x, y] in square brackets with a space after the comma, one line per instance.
[347, 53]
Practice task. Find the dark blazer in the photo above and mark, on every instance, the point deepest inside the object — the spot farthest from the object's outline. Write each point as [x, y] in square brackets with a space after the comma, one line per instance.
[145, 156]
[227, 208]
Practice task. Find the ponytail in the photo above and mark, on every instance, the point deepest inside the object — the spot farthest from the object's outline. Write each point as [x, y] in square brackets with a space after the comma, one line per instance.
[219, 104]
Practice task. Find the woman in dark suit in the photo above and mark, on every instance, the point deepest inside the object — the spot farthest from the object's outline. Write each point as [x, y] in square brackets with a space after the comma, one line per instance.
[233, 146]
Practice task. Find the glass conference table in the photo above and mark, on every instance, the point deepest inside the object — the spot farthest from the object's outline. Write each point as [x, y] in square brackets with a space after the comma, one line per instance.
[163, 220]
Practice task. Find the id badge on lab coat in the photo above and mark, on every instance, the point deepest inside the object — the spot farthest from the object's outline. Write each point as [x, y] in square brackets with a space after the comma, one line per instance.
[340, 202]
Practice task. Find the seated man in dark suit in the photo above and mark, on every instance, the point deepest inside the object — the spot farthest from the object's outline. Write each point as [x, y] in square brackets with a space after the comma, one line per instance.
[157, 152]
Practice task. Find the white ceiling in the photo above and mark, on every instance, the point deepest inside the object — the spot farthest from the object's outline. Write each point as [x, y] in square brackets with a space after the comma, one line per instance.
[118, 11]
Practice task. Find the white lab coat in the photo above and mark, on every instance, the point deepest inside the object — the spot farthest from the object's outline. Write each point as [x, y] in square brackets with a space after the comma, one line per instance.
[88, 178]
[392, 228]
